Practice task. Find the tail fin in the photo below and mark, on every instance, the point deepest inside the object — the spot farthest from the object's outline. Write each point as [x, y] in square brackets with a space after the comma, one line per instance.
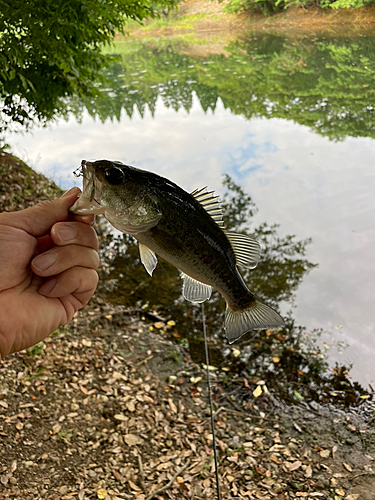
[257, 316]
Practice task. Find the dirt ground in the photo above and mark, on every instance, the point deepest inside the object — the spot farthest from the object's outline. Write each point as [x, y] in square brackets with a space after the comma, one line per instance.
[212, 20]
[109, 408]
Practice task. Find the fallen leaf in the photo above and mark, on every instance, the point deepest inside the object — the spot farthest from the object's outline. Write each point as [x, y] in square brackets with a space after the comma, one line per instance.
[101, 494]
[133, 486]
[308, 471]
[132, 439]
[294, 465]
[257, 391]
[325, 453]
[347, 467]
[56, 428]
[130, 406]
[172, 406]
[118, 476]
[120, 416]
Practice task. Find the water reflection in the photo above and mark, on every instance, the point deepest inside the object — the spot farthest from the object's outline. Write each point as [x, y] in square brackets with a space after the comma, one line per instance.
[290, 360]
[176, 95]
[323, 83]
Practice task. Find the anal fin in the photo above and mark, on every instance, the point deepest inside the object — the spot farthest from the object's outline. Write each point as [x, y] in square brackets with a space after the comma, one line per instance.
[148, 258]
[194, 290]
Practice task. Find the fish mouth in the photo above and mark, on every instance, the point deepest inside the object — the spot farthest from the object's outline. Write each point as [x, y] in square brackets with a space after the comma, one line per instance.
[89, 200]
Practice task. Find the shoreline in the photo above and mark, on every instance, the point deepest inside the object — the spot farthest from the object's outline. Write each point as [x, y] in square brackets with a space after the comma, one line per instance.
[209, 19]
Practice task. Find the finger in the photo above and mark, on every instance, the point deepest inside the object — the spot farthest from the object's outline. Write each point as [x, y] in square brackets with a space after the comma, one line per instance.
[66, 233]
[44, 244]
[37, 220]
[87, 219]
[78, 281]
[59, 259]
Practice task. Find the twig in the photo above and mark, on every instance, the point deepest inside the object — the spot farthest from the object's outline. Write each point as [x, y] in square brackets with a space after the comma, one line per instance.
[167, 486]
[367, 473]
[242, 413]
[145, 360]
[141, 473]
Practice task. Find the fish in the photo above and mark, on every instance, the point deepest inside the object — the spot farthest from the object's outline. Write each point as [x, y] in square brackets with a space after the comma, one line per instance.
[185, 229]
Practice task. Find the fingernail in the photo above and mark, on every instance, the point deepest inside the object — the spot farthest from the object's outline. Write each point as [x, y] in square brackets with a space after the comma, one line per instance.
[70, 192]
[65, 232]
[43, 262]
[49, 286]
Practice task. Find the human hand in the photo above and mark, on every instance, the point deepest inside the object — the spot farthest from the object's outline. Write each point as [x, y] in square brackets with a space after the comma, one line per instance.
[48, 263]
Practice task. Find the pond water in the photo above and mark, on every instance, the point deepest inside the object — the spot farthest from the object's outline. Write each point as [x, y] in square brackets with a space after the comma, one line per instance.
[291, 121]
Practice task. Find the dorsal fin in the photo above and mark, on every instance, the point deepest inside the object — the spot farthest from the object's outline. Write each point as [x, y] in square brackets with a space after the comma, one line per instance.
[246, 249]
[210, 203]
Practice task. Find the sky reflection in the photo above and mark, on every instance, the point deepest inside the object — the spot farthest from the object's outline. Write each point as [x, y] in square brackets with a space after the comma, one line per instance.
[309, 185]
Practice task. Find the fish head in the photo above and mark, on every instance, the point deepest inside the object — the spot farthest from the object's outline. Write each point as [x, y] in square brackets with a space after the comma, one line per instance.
[123, 194]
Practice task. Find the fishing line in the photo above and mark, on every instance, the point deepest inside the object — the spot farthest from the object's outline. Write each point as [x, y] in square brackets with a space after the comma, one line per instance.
[211, 410]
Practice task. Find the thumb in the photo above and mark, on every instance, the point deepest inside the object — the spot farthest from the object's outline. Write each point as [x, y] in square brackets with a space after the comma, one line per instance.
[39, 219]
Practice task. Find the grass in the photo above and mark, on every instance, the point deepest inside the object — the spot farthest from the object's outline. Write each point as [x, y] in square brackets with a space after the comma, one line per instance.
[177, 22]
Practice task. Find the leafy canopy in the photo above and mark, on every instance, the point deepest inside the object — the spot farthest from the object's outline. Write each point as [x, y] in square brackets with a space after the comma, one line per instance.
[50, 49]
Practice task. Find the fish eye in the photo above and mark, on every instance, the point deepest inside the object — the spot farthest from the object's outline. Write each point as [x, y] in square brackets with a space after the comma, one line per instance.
[114, 176]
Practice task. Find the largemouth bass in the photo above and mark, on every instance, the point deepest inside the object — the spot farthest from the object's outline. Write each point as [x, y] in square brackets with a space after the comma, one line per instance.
[186, 230]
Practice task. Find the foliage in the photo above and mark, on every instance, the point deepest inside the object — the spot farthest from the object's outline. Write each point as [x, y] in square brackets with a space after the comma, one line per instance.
[273, 6]
[52, 49]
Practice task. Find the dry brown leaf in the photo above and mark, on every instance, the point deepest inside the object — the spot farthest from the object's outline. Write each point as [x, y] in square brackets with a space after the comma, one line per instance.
[340, 492]
[308, 471]
[133, 486]
[132, 439]
[172, 406]
[275, 459]
[130, 406]
[56, 428]
[325, 453]
[294, 465]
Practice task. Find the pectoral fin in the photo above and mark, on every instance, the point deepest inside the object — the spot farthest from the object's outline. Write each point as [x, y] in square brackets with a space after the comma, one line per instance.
[194, 290]
[148, 258]
[246, 249]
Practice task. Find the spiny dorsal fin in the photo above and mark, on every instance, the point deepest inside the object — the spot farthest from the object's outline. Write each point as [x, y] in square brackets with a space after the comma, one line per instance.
[246, 249]
[210, 203]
